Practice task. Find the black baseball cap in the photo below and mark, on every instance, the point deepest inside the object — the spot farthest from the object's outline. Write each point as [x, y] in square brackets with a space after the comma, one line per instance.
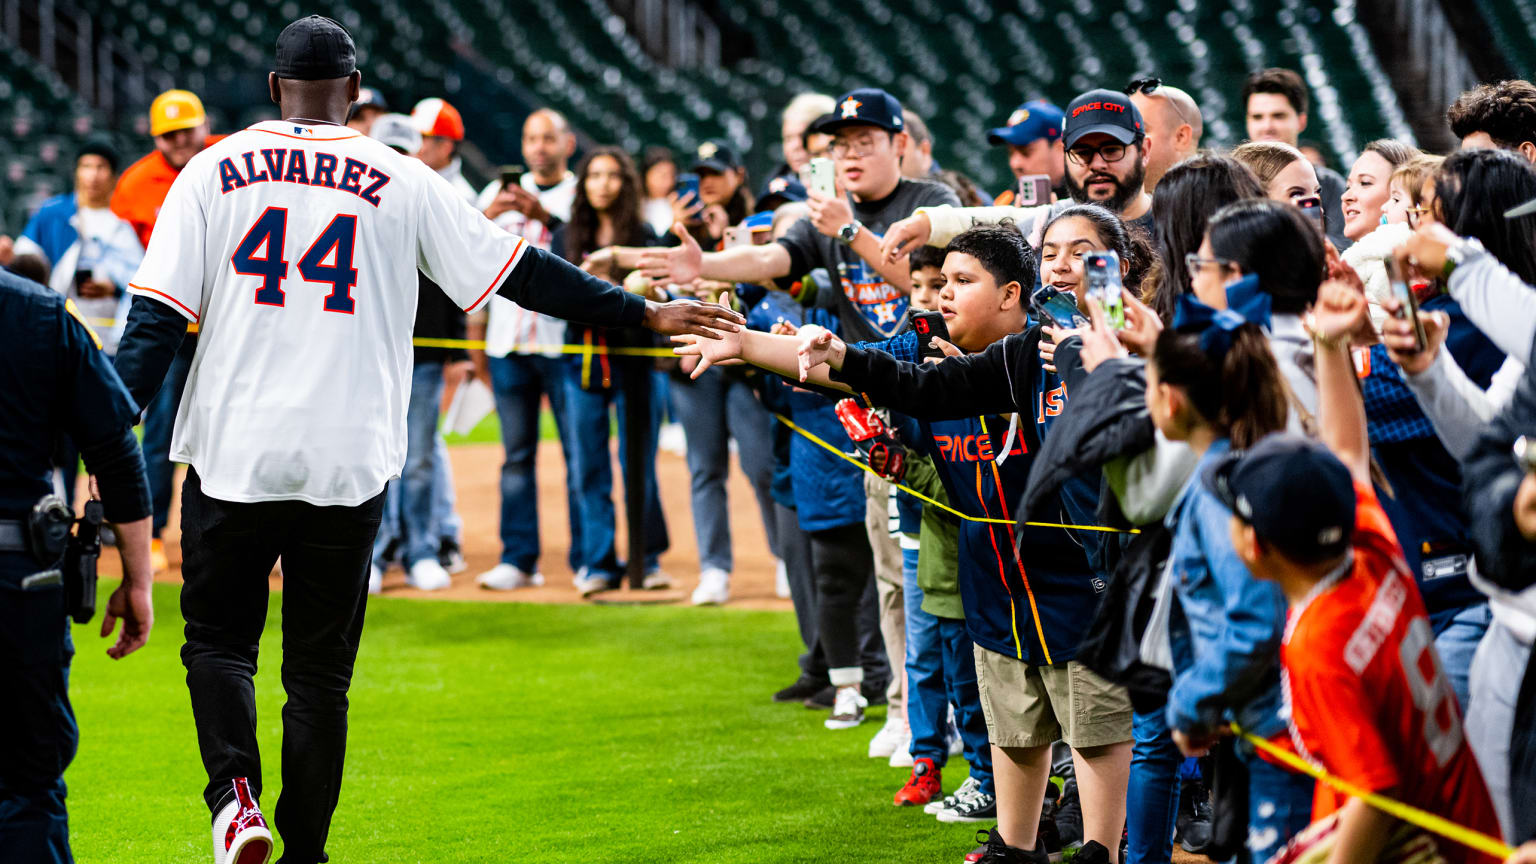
[782, 189]
[868, 106]
[1103, 111]
[716, 155]
[315, 49]
[1297, 495]
[98, 146]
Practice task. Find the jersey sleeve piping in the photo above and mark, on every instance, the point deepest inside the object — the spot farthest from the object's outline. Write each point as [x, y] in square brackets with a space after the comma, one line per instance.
[517, 252]
[165, 298]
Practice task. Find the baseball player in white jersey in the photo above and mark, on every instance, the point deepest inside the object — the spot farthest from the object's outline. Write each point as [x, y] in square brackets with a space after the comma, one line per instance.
[294, 245]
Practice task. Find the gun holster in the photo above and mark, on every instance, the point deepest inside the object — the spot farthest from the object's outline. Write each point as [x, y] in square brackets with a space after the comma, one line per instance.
[82, 551]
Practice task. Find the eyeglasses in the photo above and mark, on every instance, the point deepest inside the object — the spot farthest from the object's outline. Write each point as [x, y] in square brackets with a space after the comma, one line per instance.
[1193, 263]
[1149, 87]
[1415, 214]
[860, 146]
[1112, 153]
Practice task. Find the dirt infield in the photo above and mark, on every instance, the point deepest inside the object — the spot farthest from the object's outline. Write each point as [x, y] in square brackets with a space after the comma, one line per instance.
[476, 473]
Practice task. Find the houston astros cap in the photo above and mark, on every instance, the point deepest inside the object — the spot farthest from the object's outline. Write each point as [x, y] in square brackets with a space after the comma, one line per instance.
[315, 49]
[174, 110]
[1297, 495]
[397, 131]
[867, 106]
[437, 117]
[717, 156]
[781, 190]
[1103, 111]
[368, 97]
[1029, 123]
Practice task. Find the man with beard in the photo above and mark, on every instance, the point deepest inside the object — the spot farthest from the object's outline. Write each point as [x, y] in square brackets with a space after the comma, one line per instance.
[1107, 152]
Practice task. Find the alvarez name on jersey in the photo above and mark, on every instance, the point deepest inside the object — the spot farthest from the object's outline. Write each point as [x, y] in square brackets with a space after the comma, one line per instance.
[294, 248]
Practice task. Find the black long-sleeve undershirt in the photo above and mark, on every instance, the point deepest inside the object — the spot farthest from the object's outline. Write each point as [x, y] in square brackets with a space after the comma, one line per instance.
[995, 381]
[118, 464]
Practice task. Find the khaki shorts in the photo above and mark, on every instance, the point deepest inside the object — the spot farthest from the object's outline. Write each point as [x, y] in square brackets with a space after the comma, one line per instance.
[1031, 706]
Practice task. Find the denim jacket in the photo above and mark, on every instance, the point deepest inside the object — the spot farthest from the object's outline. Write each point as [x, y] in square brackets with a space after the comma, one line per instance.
[1225, 630]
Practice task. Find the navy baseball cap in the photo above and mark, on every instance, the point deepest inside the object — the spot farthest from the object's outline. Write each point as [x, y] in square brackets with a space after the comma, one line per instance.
[1103, 111]
[1029, 123]
[1297, 495]
[868, 106]
[315, 49]
[782, 189]
[717, 156]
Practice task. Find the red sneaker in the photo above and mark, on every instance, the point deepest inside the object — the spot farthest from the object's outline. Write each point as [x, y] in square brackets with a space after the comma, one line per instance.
[923, 786]
[240, 834]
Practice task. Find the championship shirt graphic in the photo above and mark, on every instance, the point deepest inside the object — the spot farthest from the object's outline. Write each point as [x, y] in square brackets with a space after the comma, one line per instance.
[881, 305]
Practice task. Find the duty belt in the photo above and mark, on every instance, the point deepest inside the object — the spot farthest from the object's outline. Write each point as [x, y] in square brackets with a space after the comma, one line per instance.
[13, 536]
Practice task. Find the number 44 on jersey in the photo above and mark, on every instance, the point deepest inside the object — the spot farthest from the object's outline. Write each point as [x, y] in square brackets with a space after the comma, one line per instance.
[327, 261]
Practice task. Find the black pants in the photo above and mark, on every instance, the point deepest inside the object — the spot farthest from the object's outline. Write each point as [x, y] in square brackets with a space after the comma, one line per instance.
[795, 546]
[845, 571]
[228, 550]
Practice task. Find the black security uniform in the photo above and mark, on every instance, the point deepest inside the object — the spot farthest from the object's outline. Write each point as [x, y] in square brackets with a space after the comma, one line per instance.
[54, 381]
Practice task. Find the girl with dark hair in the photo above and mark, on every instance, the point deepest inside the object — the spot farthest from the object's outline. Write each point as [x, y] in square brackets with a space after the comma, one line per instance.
[1182, 204]
[1212, 383]
[606, 213]
[724, 193]
[658, 177]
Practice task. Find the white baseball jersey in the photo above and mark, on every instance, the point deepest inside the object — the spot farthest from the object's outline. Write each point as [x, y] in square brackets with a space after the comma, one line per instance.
[294, 249]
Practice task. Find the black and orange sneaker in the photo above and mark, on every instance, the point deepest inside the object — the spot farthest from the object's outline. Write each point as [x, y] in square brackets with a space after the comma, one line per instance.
[240, 834]
[923, 786]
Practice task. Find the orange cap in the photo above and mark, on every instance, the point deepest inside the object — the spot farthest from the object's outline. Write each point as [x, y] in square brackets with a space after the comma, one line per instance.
[437, 117]
[175, 109]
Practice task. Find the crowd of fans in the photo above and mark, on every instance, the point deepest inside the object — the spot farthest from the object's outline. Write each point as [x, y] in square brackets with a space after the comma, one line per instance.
[1277, 484]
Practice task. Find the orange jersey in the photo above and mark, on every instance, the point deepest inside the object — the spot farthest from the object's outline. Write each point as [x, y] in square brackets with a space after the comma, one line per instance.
[142, 188]
[1368, 698]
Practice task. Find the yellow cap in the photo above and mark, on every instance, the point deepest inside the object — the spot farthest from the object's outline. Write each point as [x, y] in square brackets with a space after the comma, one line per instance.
[175, 109]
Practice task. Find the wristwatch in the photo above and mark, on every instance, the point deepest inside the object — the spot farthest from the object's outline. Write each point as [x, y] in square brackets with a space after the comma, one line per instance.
[849, 231]
[1460, 252]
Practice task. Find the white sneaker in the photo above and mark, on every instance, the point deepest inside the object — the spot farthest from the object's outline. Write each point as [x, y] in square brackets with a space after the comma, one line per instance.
[781, 580]
[588, 583]
[240, 834]
[506, 577]
[428, 575]
[952, 732]
[933, 808]
[375, 580]
[847, 709]
[656, 580]
[714, 588]
[902, 758]
[889, 738]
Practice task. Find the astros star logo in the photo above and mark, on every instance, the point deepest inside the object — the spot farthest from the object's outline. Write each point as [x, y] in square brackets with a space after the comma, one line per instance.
[850, 108]
[778, 184]
[708, 149]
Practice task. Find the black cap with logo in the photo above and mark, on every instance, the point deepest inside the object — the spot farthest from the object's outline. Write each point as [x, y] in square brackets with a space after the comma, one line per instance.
[868, 106]
[1296, 494]
[315, 49]
[1103, 111]
[718, 156]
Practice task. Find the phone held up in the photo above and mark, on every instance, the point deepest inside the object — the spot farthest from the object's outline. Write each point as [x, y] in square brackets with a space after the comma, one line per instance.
[927, 325]
[1102, 270]
[823, 175]
[1056, 308]
[512, 175]
[688, 188]
[1311, 207]
[1034, 190]
[1408, 303]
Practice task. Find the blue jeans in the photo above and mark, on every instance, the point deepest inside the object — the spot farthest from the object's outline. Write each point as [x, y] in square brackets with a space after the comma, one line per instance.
[520, 382]
[1152, 800]
[159, 422]
[445, 514]
[1279, 805]
[941, 670]
[714, 408]
[1457, 643]
[38, 735]
[588, 412]
[409, 502]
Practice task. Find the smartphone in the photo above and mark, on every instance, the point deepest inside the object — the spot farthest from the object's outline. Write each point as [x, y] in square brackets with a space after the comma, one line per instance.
[823, 176]
[1034, 190]
[512, 175]
[1057, 309]
[1312, 206]
[1102, 270]
[737, 235]
[928, 325]
[1408, 308]
[688, 184]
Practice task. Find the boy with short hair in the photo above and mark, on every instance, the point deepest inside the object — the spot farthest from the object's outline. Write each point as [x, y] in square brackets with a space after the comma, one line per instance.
[1367, 697]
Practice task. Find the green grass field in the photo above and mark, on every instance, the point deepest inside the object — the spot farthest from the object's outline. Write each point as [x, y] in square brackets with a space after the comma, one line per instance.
[515, 732]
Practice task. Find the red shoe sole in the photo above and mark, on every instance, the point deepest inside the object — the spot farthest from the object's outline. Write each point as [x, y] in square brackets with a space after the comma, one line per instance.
[258, 851]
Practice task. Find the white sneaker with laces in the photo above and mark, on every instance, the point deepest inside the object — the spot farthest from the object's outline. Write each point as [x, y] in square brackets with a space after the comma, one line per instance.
[714, 588]
[847, 709]
[781, 580]
[933, 808]
[902, 758]
[506, 577]
[375, 580]
[952, 732]
[428, 575]
[890, 737]
[656, 580]
[588, 583]
[240, 833]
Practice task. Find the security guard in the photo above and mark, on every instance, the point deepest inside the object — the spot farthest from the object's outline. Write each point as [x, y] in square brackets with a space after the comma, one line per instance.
[55, 380]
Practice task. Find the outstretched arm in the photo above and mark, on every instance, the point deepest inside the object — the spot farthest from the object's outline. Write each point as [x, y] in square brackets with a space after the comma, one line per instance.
[1341, 410]
[684, 263]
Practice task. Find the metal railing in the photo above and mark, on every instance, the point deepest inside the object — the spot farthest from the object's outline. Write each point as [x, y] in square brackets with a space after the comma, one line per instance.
[64, 40]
